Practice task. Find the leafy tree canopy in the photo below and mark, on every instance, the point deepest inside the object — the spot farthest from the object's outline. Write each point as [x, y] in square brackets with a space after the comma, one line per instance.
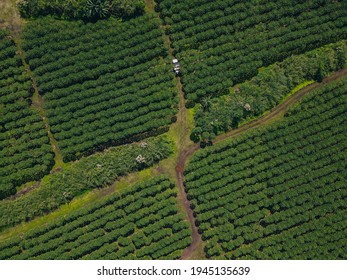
[81, 9]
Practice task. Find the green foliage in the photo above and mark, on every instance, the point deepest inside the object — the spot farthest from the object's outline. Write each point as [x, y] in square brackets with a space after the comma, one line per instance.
[266, 90]
[86, 234]
[278, 191]
[195, 134]
[96, 171]
[81, 9]
[127, 8]
[25, 152]
[319, 76]
[104, 84]
[224, 42]
[97, 9]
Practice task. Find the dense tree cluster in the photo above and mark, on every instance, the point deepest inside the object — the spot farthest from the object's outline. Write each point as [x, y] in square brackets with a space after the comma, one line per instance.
[139, 222]
[278, 192]
[25, 152]
[81, 9]
[221, 43]
[104, 84]
[266, 90]
[88, 173]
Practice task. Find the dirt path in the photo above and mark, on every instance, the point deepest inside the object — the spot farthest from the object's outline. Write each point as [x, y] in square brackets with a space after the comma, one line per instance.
[184, 150]
[183, 144]
[275, 113]
[196, 238]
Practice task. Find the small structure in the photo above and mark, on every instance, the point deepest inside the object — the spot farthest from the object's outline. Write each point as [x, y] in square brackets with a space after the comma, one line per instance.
[176, 67]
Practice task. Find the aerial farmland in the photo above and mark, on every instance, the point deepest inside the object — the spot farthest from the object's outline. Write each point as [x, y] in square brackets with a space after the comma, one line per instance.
[166, 130]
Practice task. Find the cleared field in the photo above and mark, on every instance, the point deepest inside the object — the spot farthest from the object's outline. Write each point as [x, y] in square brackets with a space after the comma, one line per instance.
[139, 222]
[104, 84]
[221, 43]
[25, 152]
[278, 192]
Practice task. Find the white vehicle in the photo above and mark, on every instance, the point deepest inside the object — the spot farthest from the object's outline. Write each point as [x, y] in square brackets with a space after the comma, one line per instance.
[176, 67]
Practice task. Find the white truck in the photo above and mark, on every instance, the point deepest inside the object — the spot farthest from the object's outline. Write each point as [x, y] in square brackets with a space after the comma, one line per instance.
[176, 66]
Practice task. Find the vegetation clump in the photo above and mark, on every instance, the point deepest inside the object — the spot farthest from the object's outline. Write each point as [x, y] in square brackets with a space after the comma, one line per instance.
[81, 9]
[266, 90]
[92, 172]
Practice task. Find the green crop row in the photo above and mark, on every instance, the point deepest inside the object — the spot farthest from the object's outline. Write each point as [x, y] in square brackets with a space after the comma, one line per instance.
[139, 222]
[25, 152]
[104, 84]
